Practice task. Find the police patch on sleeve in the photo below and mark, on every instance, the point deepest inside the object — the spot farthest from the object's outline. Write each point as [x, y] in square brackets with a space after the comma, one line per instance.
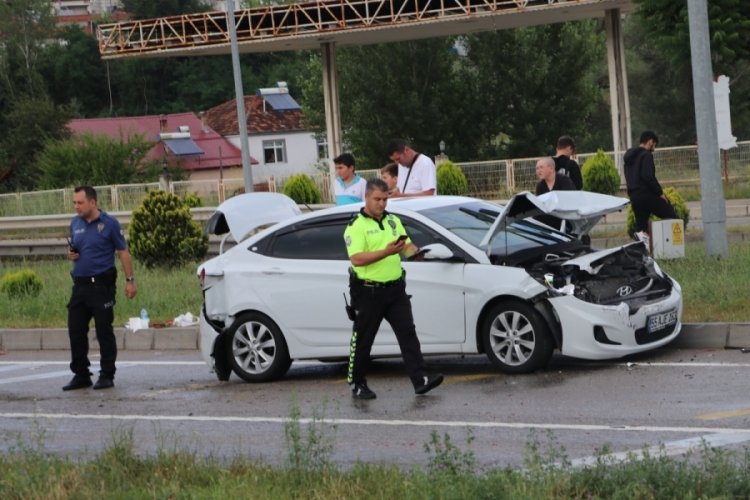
[348, 240]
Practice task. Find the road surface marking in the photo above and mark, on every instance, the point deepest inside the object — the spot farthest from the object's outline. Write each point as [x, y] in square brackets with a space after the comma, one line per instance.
[725, 414]
[670, 449]
[376, 422]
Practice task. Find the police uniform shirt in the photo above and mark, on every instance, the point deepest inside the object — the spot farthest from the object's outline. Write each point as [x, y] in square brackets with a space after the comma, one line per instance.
[365, 234]
[354, 192]
[96, 241]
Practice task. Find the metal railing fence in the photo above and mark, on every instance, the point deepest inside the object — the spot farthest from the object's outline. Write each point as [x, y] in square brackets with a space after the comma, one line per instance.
[494, 179]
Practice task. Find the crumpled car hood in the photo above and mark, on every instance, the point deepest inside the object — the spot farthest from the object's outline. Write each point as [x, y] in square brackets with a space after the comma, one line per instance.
[582, 209]
[244, 213]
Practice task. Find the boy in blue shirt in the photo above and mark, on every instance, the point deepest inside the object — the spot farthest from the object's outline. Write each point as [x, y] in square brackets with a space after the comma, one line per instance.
[349, 186]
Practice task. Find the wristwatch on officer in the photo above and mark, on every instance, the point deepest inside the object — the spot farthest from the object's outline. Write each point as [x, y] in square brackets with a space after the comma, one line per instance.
[130, 279]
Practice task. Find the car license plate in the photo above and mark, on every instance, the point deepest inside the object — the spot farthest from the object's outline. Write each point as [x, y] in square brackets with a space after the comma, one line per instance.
[658, 322]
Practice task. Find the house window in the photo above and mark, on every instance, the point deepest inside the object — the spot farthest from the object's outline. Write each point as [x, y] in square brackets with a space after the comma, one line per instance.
[274, 151]
[322, 140]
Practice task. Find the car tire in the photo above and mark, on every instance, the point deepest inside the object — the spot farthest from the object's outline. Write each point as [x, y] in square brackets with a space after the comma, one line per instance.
[256, 348]
[516, 338]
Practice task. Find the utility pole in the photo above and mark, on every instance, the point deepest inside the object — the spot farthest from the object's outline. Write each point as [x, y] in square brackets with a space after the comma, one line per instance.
[240, 96]
[712, 192]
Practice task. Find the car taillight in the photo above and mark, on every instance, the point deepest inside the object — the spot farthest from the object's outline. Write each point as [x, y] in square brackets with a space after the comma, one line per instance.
[202, 276]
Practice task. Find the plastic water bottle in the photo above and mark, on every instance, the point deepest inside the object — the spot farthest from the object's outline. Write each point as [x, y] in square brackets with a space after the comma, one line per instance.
[144, 318]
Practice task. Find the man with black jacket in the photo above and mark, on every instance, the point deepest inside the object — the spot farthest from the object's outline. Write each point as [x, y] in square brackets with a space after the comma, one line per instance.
[644, 191]
[564, 164]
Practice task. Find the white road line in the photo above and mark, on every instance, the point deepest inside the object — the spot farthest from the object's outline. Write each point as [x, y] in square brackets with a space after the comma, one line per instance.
[38, 376]
[670, 449]
[10, 368]
[119, 363]
[375, 422]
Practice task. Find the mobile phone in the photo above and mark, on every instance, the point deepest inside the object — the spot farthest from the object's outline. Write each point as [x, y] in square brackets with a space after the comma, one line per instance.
[70, 245]
[402, 237]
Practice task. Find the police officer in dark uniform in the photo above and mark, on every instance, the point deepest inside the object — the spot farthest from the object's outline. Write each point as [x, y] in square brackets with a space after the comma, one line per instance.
[95, 236]
[374, 239]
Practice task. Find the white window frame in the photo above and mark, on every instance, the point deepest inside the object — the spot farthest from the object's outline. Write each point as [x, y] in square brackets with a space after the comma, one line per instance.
[278, 147]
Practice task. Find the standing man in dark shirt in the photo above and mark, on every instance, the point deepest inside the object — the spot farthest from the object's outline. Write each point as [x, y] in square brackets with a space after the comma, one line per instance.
[95, 236]
[551, 180]
[645, 192]
[564, 164]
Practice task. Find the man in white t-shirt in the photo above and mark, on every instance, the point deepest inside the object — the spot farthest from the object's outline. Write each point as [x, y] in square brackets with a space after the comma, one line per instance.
[416, 172]
[349, 187]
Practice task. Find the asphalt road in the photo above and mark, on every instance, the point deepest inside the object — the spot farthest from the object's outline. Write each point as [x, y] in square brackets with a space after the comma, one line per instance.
[169, 400]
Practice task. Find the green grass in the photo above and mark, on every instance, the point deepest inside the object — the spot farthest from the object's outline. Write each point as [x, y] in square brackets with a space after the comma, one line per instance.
[713, 290]
[118, 472]
[164, 294]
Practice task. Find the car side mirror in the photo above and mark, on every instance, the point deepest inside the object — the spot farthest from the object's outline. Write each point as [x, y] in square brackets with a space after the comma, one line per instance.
[437, 251]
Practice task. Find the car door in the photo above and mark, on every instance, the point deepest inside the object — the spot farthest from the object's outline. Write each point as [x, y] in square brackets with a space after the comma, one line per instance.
[437, 290]
[305, 274]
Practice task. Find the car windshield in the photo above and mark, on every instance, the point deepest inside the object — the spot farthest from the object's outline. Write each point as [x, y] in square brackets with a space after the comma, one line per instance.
[471, 221]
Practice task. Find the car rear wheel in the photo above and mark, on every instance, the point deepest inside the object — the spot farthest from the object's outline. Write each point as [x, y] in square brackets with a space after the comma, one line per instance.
[516, 338]
[257, 349]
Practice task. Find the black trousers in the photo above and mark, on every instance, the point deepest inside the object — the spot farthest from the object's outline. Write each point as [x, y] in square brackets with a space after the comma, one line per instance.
[373, 304]
[92, 301]
[645, 205]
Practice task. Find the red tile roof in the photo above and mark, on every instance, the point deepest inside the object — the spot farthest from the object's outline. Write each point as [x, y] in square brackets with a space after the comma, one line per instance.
[148, 126]
[223, 118]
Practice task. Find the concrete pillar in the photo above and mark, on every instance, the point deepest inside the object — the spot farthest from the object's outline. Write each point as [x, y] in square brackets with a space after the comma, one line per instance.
[618, 87]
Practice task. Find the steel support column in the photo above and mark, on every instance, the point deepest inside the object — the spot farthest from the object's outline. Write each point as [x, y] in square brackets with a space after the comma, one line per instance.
[618, 87]
[331, 101]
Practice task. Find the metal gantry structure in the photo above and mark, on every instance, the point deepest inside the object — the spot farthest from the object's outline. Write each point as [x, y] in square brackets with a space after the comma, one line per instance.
[273, 26]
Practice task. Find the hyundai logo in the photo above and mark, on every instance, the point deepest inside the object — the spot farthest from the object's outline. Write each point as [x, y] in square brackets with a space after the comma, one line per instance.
[624, 291]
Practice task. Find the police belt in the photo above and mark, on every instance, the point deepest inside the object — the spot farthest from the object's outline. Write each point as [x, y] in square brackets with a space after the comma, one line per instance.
[377, 284]
[108, 278]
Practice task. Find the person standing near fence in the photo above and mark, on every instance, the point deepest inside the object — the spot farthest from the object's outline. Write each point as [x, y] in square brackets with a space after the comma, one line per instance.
[349, 186]
[95, 237]
[564, 164]
[417, 174]
[646, 194]
[389, 174]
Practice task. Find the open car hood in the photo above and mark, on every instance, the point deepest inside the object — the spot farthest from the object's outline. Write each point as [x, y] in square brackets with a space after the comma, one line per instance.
[582, 210]
[244, 213]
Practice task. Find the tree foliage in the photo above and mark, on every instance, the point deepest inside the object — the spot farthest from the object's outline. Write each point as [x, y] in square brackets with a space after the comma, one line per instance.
[162, 232]
[600, 174]
[93, 159]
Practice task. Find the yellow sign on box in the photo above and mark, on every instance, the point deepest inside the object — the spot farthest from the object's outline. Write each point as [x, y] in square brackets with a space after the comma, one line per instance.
[677, 234]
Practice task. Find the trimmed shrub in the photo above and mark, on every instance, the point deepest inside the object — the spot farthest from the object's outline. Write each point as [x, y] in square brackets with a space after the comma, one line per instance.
[451, 179]
[678, 203]
[21, 284]
[600, 174]
[302, 189]
[162, 232]
[192, 200]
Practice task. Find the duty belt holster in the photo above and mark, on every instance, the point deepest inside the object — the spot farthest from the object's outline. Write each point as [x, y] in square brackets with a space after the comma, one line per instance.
[350, 311]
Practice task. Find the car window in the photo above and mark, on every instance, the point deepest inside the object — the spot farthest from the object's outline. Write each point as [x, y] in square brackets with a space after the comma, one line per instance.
[323, 241]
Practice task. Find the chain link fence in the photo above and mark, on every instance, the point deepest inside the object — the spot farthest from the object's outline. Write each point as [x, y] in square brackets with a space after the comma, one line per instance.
[495, 179]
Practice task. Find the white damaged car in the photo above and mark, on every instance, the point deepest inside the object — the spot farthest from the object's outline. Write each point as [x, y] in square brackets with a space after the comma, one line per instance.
[494, 281]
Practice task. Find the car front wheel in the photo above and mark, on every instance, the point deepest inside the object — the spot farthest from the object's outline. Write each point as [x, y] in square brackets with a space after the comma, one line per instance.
[257, 349]
[516, 338]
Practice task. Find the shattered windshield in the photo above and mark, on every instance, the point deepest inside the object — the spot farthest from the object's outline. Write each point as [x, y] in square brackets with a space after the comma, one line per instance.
[471, 221]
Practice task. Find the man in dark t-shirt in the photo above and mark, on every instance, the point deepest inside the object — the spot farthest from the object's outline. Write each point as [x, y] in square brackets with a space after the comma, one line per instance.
[564, 164]
[550, 180]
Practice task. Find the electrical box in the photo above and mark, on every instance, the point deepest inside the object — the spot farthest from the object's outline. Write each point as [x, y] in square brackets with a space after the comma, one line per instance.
[668, 239]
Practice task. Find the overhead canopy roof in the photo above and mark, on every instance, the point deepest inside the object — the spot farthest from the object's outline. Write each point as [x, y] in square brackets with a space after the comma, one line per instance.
[346, 22]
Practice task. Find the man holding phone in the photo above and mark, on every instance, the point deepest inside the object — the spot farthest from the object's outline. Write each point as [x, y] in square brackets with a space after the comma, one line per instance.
[374, 240]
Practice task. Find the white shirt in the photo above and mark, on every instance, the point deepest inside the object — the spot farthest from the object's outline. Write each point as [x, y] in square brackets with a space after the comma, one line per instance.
[422, 177]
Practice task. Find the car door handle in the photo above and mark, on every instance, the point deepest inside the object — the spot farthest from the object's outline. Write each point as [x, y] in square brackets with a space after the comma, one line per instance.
[273, 271]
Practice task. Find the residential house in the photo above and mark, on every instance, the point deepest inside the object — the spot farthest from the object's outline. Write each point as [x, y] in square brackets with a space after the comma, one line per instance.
[182, 139]
[276, 132]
